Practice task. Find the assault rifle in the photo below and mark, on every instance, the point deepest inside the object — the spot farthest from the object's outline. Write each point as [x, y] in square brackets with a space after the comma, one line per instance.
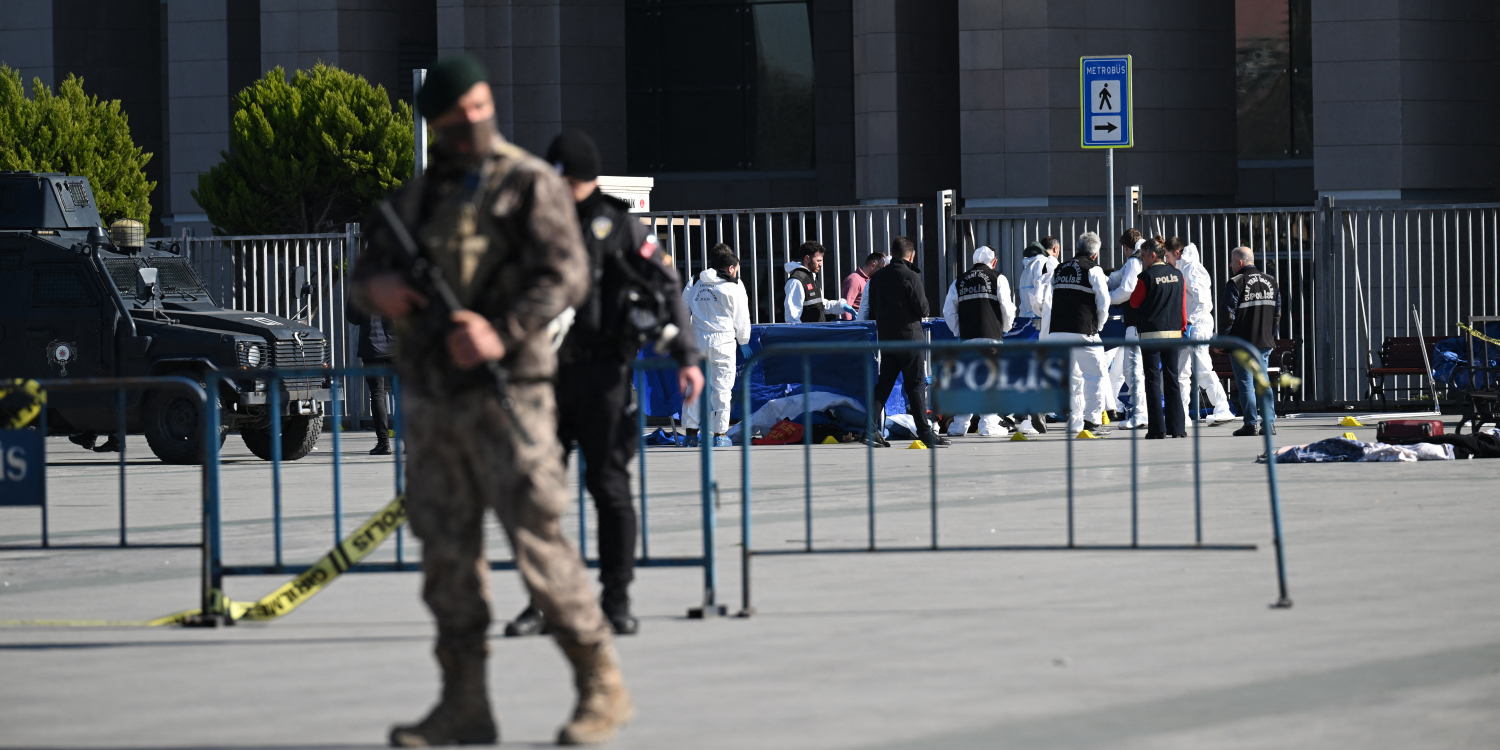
[442, 302]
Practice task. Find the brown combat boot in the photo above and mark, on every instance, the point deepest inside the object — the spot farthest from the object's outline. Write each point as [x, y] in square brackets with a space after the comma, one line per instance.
[463, 715]
[603, 702]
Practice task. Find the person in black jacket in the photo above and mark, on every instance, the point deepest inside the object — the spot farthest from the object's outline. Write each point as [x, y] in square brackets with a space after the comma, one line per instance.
[1160, 305]
[375, 351]
[595, 409]
[896, 301]
[1252, 304]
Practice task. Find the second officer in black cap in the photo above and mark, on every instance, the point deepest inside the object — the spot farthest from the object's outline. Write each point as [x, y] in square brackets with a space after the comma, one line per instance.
[632, 285]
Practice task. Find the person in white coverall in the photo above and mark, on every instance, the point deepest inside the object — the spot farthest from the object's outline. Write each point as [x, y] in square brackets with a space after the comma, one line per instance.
[1035, 293]
[1121, 286]
[1200, 319]
[1080, 305]
[720, 311]
[804, 300]
[982, 297]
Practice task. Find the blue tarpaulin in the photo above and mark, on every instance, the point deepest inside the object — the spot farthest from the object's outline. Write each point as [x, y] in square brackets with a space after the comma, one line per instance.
[782, 376]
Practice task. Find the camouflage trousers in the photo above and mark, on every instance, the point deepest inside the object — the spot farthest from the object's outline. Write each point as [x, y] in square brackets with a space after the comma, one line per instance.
[464, 458]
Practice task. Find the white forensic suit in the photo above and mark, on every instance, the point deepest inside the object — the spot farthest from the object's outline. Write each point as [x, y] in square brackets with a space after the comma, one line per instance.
[1200, 318]
[989, 424]
[1036, 289]
[720, 311]
[796, 298]
[1121, 286]
[1087, 381]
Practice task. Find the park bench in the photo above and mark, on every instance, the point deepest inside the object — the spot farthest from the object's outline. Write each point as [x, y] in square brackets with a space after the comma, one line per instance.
[1400, 355]
[1284, 359]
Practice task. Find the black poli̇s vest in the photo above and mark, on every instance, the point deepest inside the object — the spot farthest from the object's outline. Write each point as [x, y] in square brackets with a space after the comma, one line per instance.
[1074, 308]
[1162, 306]
[979, 311]
[812, 295]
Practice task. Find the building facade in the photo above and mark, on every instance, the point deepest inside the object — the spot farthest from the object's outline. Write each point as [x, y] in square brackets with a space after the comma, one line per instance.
[740, 103]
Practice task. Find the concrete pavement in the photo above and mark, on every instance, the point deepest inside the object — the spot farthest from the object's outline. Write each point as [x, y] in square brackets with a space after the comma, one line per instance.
[1393, 641]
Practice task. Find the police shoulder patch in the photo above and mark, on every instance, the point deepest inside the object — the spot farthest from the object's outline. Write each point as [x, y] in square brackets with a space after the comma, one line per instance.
[601, 227]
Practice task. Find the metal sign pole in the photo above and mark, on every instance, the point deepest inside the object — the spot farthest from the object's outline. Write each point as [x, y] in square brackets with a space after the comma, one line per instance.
[1109, 199]
[419, 125]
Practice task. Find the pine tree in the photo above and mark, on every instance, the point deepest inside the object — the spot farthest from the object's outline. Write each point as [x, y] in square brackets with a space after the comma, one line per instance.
[77, 134]
[307, 155]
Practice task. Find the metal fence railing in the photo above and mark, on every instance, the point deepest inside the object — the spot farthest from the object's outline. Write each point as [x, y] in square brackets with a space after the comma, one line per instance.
[1284, 241]
[296, 276]
[1031, 370]
[767, 238]
[1352, 276]
[1009, 234]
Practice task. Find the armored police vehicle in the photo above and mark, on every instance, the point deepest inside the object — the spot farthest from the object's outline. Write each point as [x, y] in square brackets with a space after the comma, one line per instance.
[79, 302]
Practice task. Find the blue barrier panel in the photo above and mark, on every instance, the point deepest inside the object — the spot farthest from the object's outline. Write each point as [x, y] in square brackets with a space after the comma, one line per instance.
[1010, 376]
[23, 466]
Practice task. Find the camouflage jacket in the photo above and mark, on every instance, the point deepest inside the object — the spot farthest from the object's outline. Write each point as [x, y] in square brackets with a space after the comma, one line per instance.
[508, 241]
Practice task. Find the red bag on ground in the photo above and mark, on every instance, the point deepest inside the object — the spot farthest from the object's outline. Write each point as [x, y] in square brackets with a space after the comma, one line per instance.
[785, 432]
[1408, 428]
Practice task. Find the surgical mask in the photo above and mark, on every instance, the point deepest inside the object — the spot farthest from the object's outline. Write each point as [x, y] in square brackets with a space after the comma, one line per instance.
[465, 142]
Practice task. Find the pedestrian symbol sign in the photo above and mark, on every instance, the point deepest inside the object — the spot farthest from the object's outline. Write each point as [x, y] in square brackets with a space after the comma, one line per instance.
[1106, 105]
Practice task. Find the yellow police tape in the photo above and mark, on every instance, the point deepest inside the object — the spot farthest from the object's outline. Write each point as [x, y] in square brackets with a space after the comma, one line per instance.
[1476, 334]
[291, 595]
[36, 398]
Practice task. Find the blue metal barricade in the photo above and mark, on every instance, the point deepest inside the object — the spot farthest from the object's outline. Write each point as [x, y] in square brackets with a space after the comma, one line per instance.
[121, 386]
[216, 569]
[1241, 350]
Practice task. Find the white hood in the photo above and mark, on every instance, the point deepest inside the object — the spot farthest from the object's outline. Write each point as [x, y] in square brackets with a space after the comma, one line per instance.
[710, 276]
[1045, 259]
[790, 267]
[1190, 254]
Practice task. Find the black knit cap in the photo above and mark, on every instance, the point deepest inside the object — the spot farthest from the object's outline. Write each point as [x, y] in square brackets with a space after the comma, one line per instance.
[450, 79]
[574, 154]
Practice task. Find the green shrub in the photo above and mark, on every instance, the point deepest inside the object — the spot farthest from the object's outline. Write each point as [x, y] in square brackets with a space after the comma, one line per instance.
[77, 134]
[307, 155]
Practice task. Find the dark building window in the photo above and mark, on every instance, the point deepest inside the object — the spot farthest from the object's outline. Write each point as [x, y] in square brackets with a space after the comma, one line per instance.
[1273, 66]
[718, 85]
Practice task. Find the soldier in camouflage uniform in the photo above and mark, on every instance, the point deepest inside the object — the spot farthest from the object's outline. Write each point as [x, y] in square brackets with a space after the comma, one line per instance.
[502, 226]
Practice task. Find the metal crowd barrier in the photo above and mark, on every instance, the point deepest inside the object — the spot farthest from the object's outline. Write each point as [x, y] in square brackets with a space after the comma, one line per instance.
[121, 386]
[1265, 400]
[216, 569]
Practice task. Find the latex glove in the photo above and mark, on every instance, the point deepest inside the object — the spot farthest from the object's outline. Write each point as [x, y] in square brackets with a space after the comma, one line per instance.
[1189, 332]
[848, 308]
[746, 350]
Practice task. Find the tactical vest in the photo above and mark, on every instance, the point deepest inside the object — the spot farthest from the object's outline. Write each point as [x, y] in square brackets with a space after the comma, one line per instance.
[1255, 314]
[979, 311]
[812, 295]
[1161, 308]
[1074, 308]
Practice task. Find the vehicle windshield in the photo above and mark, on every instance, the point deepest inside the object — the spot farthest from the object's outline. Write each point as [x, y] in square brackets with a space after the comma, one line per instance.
[175, 276]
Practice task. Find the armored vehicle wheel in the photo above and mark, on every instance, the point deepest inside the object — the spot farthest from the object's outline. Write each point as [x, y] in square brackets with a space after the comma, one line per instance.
[173, 424]
[298, 437]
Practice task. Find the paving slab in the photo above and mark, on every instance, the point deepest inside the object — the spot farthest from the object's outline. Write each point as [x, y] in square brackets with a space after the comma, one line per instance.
[1392, 642]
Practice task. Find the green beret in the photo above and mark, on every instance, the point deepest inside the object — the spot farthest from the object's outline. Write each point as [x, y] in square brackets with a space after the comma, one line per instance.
[450, 79]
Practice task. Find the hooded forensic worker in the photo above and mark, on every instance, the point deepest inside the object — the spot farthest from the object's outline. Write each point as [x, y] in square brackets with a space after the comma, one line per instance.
[1200, 318]
[720, 312]
[1121, 285]
[979, 307]
[804, 300]
[1035, 289]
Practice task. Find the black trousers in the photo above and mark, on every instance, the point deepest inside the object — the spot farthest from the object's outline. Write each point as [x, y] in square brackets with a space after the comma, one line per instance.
[378, 388]
[1159, 365]
[909, 366]
[595, 411]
